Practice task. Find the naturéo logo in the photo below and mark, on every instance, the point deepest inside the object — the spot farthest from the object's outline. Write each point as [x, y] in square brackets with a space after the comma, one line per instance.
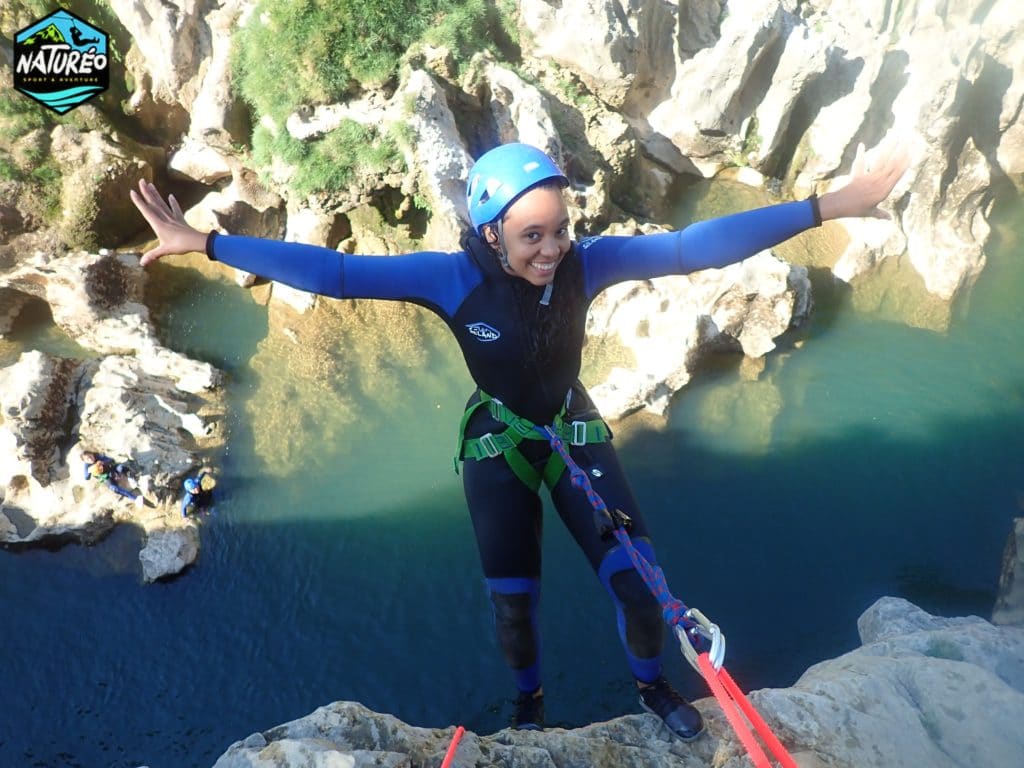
[61, 61]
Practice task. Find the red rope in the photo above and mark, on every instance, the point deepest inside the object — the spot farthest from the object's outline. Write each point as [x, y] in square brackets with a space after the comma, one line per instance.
[736, 706]
[731, 699]
[450, 754]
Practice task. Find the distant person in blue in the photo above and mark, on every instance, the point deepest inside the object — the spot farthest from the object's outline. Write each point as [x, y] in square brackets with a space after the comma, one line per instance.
[516, 298]
[112, 474]
[198, 497]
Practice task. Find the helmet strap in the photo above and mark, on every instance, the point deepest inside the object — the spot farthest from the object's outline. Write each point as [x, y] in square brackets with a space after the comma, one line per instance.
[499, 229]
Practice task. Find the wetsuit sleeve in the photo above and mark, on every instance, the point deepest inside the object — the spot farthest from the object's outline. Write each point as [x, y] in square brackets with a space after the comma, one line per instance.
[306, 267]
[439, 281]
[710, 244]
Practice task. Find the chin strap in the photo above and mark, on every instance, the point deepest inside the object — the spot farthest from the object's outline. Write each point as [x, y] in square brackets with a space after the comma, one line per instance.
[499, 229]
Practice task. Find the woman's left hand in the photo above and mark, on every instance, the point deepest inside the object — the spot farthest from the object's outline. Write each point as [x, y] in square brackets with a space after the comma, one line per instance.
[872, 179]
[166, 218]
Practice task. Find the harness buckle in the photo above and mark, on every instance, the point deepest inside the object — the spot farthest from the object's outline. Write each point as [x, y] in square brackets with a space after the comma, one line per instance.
[489, 446]
[521, 427]
[579, 433]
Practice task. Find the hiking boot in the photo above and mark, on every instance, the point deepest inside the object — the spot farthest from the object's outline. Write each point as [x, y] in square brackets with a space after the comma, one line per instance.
[529, 714]
[682, 718]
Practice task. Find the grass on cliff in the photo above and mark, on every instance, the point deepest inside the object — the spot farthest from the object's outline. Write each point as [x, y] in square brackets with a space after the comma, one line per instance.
[294, 53]
[333, 162]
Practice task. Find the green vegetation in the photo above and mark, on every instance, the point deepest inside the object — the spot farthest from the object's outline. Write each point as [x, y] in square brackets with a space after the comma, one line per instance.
[27, 163]
[25, 125]
[751, 146]
[296, 53]
[18, 14]
[573, 92]
[20, 116]
[333, 162]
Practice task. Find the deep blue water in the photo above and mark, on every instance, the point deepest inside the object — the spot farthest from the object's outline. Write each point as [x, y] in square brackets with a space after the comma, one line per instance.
[893, 467]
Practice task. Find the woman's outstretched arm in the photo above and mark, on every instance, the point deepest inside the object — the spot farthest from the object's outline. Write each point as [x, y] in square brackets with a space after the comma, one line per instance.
[718, 242]
[306, 267]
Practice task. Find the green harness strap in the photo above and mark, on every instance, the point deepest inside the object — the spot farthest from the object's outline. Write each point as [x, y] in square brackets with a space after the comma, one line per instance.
[506, 443]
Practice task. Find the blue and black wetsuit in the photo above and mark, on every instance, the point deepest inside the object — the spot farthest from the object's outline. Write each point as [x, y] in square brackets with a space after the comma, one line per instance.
[111, 471]
[527, 354]
[197, 500]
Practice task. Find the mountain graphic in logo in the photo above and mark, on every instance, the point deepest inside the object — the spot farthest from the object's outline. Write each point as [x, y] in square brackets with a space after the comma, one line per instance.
[61, 61]
[51, 34]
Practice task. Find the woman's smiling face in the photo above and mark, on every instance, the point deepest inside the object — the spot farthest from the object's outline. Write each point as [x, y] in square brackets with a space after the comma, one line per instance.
[536, 234]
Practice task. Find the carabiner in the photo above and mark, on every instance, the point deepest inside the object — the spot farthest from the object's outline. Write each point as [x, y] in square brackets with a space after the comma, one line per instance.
[706, 629]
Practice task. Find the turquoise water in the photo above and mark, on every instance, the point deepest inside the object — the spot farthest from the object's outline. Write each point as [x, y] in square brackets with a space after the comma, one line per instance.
[870, 458]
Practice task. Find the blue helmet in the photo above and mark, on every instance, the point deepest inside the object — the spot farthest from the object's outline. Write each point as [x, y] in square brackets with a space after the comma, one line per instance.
[503, 174]
[191, 485]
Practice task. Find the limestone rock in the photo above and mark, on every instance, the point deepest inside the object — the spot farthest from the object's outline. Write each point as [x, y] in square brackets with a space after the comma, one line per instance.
[622, 51]
[1009, 608]
[441, 160]
[920, 691]
[101, 167]
[216, 113]
[199, 161]
[519, 111]
[135, 401]
[669, 323]
[37, 395]
[173, 41]
[714, 91]
[795, 92]
[242, 207]
[168, 551]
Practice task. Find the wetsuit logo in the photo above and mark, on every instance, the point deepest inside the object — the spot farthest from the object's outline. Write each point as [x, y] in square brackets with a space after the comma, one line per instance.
[484, 332]
[61, 61]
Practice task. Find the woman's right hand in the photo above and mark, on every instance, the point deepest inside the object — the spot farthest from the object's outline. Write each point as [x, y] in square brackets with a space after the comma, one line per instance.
[168, 223]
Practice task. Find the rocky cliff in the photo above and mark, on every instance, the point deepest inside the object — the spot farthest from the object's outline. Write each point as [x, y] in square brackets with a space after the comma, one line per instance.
[632, 98]
[132, 398]
[920, 691]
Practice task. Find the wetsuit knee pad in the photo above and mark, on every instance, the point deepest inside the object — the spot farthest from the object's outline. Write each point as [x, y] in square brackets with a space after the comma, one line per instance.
[638, 612]
[515, 604]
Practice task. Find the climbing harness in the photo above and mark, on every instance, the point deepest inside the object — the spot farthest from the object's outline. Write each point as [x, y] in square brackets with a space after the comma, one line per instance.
[692, 627]
[506, 443]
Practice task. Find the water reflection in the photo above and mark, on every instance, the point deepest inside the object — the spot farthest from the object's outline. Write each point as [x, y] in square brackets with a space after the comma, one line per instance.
[34, 328]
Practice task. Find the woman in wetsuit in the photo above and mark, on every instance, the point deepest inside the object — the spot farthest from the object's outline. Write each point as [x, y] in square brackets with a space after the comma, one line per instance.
[515, 298]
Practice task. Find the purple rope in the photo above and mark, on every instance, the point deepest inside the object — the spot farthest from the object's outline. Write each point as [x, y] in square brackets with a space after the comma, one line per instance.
[672, 609]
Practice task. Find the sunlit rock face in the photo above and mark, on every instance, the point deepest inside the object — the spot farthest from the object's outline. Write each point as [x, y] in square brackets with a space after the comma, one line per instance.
[790, 89]
[1009, 607]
